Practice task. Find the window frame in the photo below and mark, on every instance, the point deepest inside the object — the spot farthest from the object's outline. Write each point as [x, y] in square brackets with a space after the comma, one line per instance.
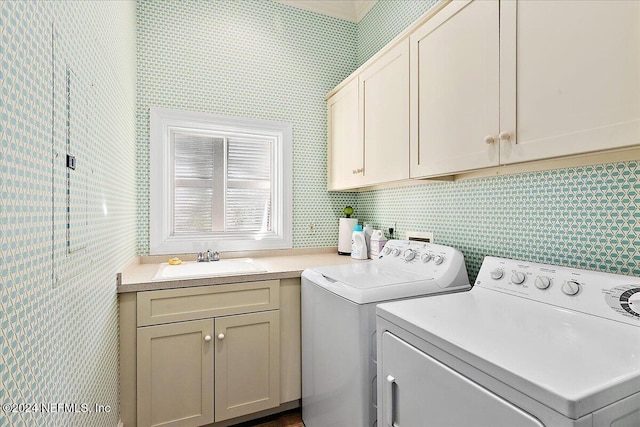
[163, 122]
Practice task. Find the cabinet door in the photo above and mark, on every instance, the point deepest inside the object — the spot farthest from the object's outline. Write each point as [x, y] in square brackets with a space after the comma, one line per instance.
[290, 341]
[455, 95]
[175, 374]
[570, 77]
[384, 100]
[345, 149]
[247, 364]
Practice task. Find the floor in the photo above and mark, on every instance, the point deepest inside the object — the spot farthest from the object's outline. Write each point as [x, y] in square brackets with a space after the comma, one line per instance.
[285, 419]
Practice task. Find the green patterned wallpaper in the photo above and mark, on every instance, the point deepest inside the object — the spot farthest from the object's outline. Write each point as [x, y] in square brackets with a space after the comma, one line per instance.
[257, 59]
[59, 339]
[586, 217]
[385, 20]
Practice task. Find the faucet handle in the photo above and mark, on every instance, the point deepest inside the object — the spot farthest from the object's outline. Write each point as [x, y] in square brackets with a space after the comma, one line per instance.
[212, 256]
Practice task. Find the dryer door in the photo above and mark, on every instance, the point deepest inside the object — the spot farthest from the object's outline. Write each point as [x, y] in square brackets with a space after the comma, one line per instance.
[419, 391]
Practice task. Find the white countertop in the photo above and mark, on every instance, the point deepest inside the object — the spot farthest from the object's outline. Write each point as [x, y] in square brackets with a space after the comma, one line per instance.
[282, 265]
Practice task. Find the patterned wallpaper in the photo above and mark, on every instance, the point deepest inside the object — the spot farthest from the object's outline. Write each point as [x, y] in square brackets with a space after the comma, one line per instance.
[59, 338]
[586, 217]
[256, 59]
[385, 20]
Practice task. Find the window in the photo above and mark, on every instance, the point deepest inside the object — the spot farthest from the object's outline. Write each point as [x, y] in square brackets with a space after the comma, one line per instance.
[217, 182]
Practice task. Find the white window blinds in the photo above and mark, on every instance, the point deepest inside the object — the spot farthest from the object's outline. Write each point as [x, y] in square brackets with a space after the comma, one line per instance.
[222, 183]
[249, 178]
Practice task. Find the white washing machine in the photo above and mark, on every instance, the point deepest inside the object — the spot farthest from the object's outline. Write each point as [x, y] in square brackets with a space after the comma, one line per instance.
[338, 325]
[530, 345]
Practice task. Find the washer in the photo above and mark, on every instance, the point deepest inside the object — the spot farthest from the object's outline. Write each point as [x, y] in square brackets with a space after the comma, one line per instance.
[338, 324]
[530, 345]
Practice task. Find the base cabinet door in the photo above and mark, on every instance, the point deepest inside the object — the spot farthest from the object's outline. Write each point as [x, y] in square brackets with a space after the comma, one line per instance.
[247, 367]
[175, 374]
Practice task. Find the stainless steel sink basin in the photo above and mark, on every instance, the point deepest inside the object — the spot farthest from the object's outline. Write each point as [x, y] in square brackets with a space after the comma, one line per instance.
[189, 270]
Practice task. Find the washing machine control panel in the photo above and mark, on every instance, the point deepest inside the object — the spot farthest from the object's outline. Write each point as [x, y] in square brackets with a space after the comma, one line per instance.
[612, 296]
[428, 259]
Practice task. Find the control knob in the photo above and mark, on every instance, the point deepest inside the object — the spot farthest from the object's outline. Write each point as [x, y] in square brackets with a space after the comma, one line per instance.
[571, 287]
[386, 250]
[496, 274]
[518, 277]
[438, 259]
[542, 282]
[426, 257]
[395, 252]
[409, 254]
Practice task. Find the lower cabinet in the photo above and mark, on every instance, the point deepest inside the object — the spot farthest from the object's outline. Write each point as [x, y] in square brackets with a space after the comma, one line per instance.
[183, 368]
[247, 364]
[225, 363]
[175, 374]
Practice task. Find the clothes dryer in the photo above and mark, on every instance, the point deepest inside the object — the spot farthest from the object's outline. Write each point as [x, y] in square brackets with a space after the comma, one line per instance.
[530, 345]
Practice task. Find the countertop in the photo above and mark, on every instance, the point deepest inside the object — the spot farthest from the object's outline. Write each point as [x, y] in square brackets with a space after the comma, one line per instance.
[287, 264]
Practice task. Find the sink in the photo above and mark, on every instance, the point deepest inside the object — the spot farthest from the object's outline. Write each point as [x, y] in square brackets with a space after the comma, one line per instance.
[227, 267]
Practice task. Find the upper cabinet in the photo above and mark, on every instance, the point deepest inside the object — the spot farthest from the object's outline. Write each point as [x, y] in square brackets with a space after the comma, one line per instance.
[490, 83]
[495, 83]
[345, 147]
[368, 124]
[384, 101]
[455, 96]
[569, 77]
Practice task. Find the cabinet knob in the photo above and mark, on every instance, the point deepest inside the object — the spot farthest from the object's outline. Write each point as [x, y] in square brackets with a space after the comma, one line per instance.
[489, 139]
[504, 136]
[207, 338]
[220, 336]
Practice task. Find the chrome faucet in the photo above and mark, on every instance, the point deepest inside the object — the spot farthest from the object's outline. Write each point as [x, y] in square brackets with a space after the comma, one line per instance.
[208, 256]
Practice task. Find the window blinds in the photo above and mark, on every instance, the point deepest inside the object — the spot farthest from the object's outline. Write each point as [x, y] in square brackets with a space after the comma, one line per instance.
[222, 183]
